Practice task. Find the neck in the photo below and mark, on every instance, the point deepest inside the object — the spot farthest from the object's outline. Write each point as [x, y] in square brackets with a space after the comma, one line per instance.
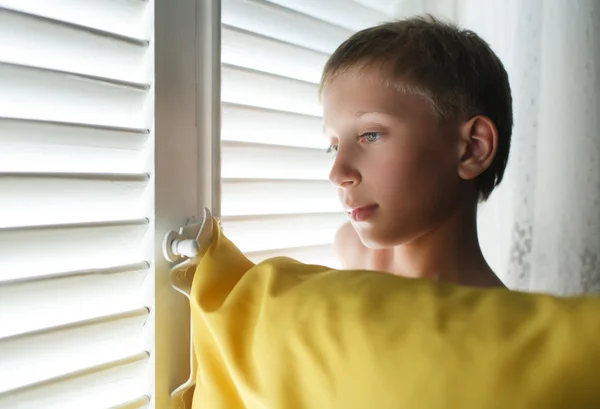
[448, 252]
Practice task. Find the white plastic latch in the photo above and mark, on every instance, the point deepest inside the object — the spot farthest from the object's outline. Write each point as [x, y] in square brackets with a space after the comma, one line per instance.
[191, 241]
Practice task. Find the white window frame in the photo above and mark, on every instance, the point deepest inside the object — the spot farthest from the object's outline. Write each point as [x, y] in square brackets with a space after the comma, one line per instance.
[187, 162]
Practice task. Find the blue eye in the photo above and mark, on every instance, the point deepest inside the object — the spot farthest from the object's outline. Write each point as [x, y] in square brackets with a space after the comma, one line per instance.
[332, 149]
[372, 136]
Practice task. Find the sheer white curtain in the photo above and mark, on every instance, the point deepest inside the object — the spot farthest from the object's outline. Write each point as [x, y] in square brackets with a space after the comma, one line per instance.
[541, 229]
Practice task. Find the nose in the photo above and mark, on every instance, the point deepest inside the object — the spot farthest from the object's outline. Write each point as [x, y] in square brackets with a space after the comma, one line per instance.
[343, 173]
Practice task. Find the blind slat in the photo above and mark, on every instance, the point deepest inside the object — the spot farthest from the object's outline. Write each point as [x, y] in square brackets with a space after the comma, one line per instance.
[56, 96]
[256, 125]
[283, 24]
[16, 132]
[59, 351]
[262, 54]
[33, 304]
[245, 87]
[72, 159]
[125, 17]
[106, 386]
[70, 198]
[35, 251]
[279, 232]
[51, 45]
[260, 161]
[343, 13]
[262, 197]
[73, 148]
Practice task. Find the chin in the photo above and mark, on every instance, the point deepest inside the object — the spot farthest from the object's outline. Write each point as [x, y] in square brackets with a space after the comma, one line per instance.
[378, 239]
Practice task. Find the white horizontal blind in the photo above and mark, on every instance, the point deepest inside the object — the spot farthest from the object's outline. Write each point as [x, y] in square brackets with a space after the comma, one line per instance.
[276, 199]
[76, 200]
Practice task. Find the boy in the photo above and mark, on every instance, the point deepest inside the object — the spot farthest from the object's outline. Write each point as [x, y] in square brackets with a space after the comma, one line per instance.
[419, 114]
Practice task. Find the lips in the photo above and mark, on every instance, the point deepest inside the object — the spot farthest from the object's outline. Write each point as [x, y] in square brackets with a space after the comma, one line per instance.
[361, 213]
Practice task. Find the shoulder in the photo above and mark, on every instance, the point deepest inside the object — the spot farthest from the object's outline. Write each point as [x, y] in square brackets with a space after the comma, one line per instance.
[348, 247]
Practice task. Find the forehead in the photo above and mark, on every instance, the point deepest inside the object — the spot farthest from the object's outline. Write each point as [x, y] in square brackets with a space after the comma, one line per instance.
[358, 91]
[359, 86]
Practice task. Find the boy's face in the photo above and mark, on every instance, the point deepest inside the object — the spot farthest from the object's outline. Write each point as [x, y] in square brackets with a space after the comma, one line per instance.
[394, 160]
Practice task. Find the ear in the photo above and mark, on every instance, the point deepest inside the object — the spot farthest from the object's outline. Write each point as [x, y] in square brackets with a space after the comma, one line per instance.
[478, 145]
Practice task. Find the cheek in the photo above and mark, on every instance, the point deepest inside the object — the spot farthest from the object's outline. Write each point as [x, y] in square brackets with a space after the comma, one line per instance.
[414, 176]
[393, 168]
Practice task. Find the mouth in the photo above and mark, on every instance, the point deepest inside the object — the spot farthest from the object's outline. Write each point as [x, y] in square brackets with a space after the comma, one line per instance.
[361, 213]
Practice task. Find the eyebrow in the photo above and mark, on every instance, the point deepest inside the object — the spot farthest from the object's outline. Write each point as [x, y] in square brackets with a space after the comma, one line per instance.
[359, 114]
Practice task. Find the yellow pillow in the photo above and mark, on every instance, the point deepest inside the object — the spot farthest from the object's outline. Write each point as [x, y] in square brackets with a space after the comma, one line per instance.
[286, 335]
